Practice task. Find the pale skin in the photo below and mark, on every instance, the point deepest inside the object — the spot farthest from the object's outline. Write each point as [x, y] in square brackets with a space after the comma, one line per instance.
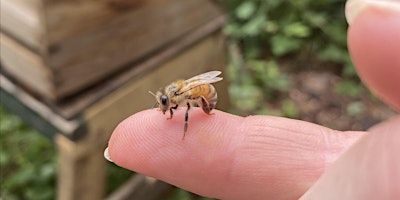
[263, 157]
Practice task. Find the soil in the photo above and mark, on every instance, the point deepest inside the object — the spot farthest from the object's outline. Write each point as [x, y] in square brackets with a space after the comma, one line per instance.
[317, 101]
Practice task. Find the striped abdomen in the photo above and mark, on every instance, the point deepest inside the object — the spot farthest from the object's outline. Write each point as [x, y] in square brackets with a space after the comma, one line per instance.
[206, 95]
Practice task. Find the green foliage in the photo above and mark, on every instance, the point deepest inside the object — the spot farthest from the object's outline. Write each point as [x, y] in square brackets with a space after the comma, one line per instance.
[281, 44]
[27, 160]
[267, 32]
[349, 87]
[287, 26]
[116, 176]
[289, 109]
[255, 81]
[28, 163]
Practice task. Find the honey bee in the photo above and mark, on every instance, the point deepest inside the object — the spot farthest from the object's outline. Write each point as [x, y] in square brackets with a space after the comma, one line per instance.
[197, 89]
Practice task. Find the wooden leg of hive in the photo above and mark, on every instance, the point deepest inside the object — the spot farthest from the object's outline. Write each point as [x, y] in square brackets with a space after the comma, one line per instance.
[81, 170]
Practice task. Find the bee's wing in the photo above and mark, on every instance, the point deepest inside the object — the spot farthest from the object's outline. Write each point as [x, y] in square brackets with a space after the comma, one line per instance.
[205, 78]
[208, 77]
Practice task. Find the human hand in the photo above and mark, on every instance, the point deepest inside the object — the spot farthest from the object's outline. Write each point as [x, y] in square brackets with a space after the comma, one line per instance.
[370, 169]
[262, 157]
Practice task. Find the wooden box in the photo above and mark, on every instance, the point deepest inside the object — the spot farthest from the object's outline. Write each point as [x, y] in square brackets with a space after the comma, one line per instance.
[57, 49]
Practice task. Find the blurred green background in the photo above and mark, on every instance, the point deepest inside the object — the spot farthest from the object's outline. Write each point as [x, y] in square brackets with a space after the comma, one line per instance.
[286, 58]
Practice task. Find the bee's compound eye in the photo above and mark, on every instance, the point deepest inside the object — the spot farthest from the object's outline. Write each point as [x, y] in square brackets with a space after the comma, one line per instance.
[164, 100]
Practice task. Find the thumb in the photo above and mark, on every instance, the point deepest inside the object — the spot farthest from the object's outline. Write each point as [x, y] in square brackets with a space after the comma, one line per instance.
[374, 45]
[368, 170]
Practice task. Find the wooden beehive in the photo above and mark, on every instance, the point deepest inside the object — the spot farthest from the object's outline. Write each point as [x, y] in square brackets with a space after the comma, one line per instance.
[57, 49]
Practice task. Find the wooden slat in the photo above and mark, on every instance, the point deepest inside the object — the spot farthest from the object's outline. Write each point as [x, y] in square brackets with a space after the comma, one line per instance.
[28, 67]
[36, 113]
[24, 20]
[81, 173]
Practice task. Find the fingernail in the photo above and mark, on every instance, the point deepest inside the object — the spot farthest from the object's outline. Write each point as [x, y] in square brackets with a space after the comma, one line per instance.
[355, 7]
[106, 155]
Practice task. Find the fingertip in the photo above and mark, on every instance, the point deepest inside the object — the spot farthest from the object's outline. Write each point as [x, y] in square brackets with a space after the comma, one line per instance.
[130, 134]
[146, 132]
[374, 45]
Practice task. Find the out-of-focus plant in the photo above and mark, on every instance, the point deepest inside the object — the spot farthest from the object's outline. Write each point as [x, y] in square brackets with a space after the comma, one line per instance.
[254, 81]
[282, 27]
[27, 161]
[267, 32]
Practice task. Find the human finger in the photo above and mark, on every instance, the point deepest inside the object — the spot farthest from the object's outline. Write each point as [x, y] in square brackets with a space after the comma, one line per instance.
[370, 169]
[226, 156]
[374, 45]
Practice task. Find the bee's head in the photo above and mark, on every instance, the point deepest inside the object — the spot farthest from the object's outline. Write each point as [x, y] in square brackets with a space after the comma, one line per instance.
[162, 101]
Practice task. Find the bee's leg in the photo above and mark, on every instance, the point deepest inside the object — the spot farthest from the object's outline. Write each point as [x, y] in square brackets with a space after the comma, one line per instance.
[207, 107]
[171, 112]
[186, 120]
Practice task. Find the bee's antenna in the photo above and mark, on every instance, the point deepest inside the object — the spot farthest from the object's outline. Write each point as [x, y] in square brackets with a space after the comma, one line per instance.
[152, 93]
[156, 104]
